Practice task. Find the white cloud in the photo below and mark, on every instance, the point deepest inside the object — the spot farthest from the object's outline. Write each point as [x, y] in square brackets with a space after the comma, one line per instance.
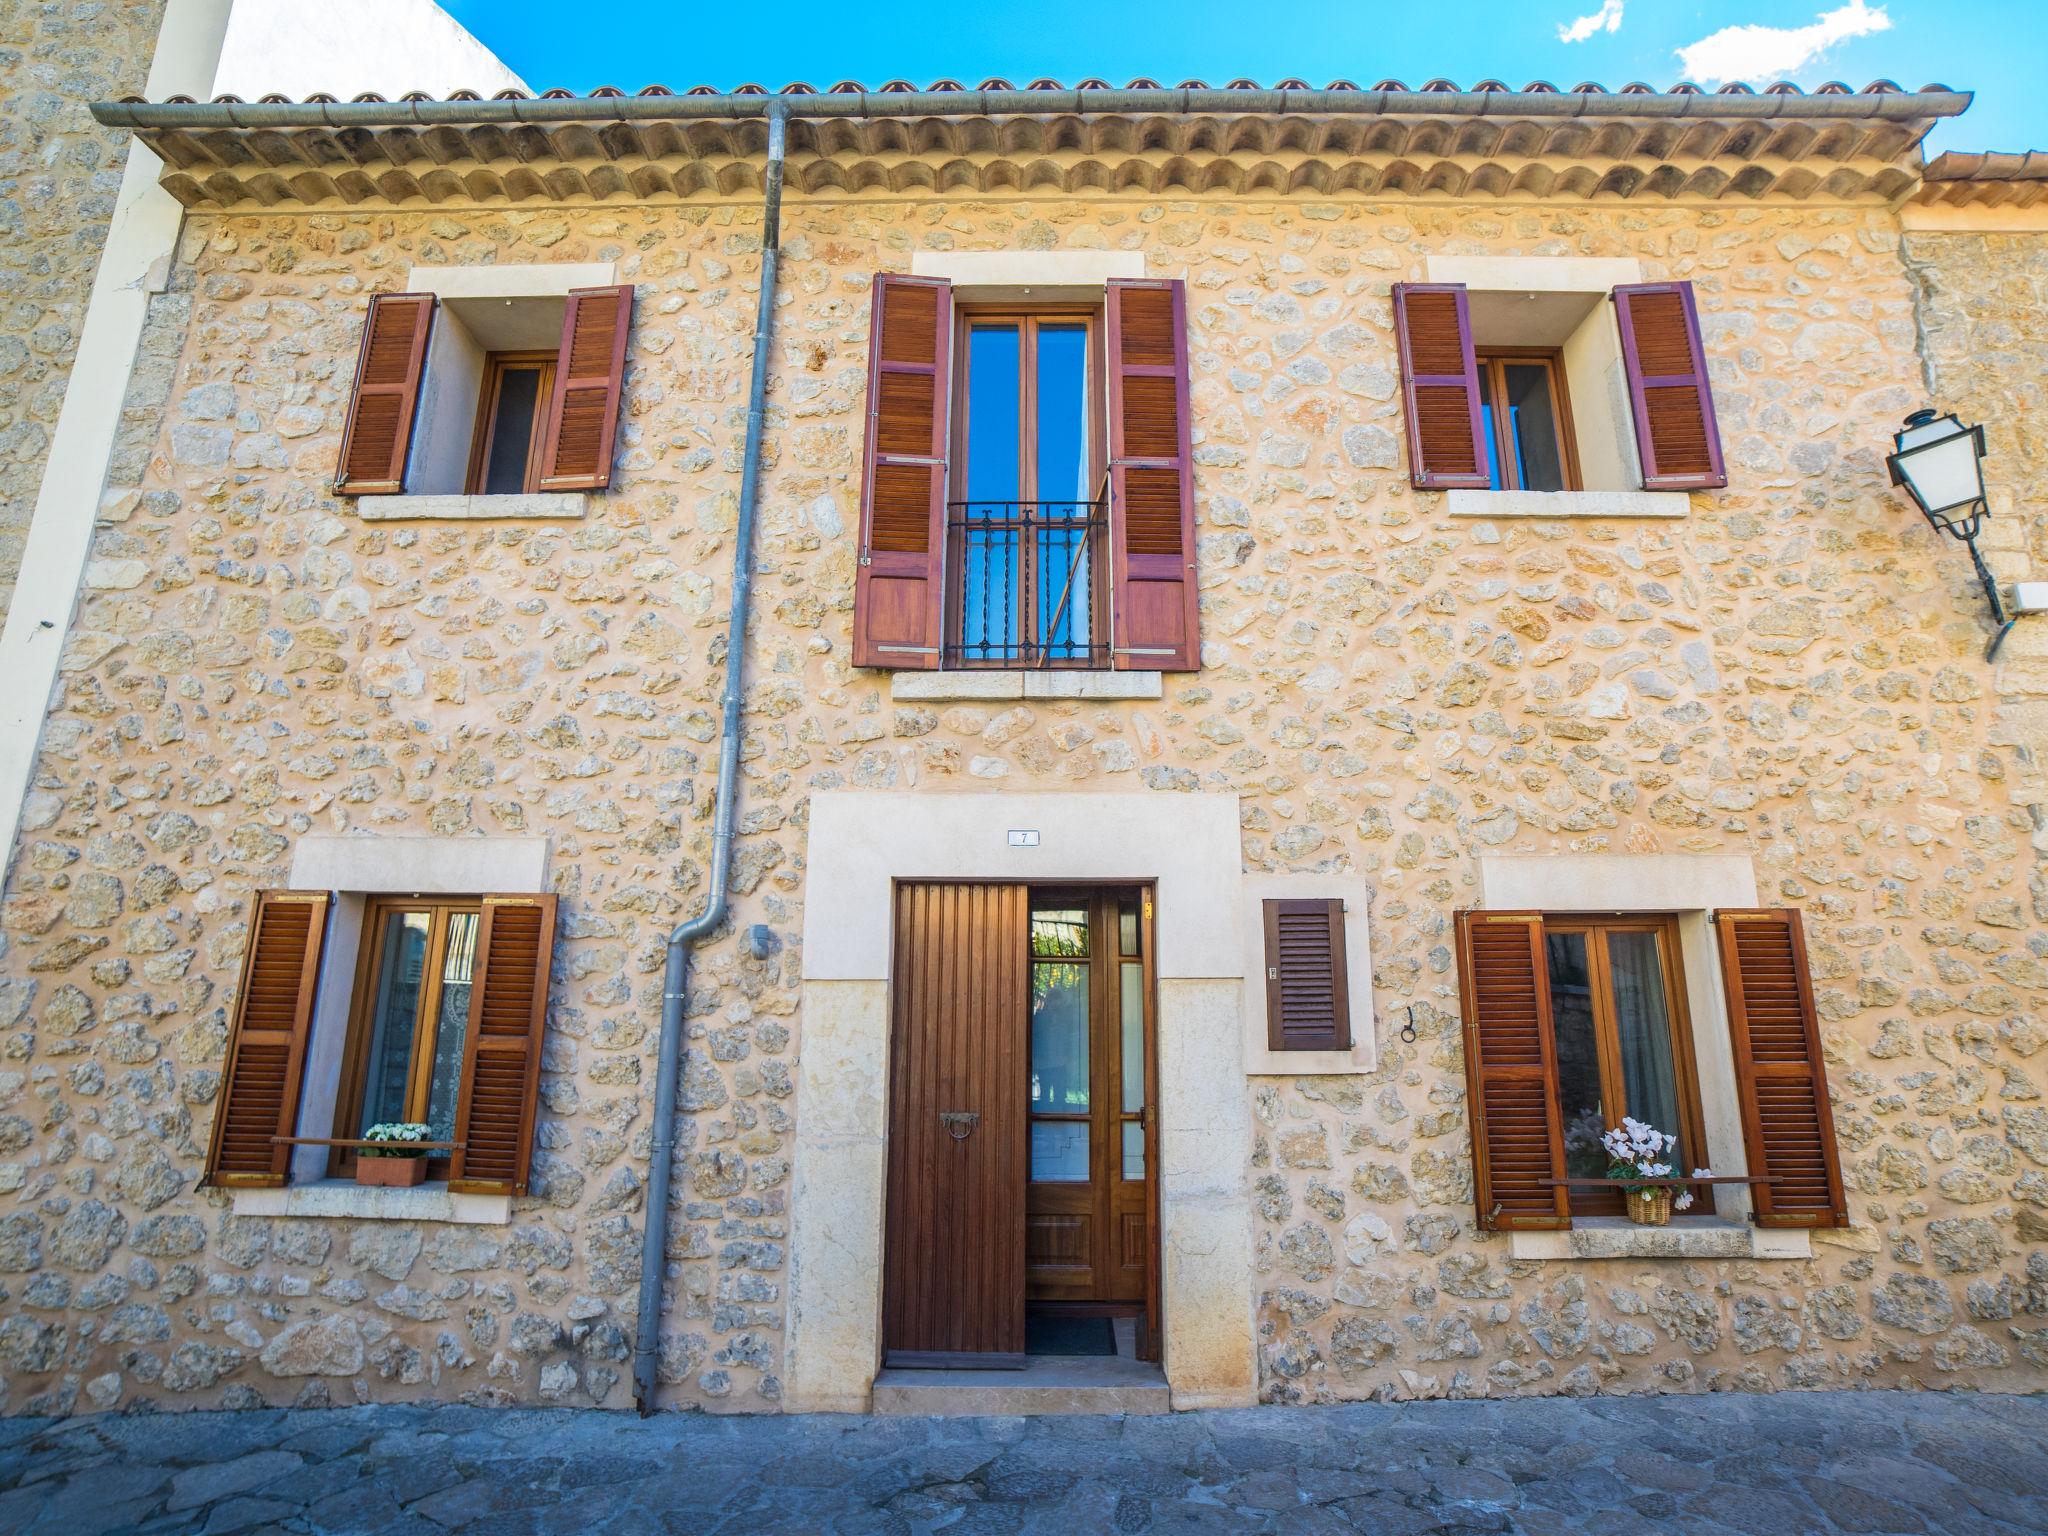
[1763, 54]
[1606, 19]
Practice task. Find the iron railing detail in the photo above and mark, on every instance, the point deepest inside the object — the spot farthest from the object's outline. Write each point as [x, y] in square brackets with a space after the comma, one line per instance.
[1029, 584]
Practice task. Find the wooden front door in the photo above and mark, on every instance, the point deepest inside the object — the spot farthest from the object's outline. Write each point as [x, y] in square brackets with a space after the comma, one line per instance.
[953, 1244]
[1088, 1217]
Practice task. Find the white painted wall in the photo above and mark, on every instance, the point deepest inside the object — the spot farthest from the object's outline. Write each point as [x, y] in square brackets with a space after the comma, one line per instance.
[297, 47]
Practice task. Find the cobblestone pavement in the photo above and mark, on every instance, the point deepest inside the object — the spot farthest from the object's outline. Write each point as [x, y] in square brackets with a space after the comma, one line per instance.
[1792, 1464]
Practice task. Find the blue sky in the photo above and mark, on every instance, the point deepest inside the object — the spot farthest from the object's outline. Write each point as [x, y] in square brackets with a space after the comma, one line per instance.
[1998, 48]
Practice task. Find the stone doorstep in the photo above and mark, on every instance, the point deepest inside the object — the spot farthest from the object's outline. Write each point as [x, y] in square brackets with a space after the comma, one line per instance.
[1047, 1384]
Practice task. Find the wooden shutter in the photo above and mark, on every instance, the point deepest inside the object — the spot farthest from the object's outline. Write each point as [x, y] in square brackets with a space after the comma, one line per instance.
[1153, 625]
[899, 586]
[1511, 1071]
[1787, 1125]
[1308, 992]
[259, 1089]
[386, 395]
[501, 1057]
[583, 415]
[1440, 386]
[1668, 388]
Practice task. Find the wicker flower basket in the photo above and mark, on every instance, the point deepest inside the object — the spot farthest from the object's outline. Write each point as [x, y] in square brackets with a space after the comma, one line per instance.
[1650, 1205]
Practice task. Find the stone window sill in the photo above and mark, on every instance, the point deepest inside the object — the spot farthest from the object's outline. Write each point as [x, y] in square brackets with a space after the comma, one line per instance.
[1054, 683]
[552, 506]
[361, 1202]
[1570, 503]
[1688, 1237]
[1265, 1063]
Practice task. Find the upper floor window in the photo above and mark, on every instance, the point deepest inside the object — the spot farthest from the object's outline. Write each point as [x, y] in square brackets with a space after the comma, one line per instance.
[1525, 416]
[1028, 498]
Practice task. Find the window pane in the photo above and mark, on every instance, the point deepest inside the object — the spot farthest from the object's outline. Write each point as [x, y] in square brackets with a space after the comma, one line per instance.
[1578, 1056]
[1132, 1003]
[512, 432]
[993, 412]
[1059, 1151]
[1059, 933]
[991, 620]
[1127, 926]
[400, 974]
[1059, 1037]
[1642, 1018]
[1486, 427]
[452, 1028]
[1063, 575]
[1534, 427]
[1134, 1150]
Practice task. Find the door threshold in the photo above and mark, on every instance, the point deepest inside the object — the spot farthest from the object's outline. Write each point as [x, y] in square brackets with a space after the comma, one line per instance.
[1047, 1384]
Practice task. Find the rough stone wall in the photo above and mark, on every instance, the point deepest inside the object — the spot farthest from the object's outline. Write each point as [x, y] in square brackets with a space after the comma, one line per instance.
[59, 171]
[1786, 674]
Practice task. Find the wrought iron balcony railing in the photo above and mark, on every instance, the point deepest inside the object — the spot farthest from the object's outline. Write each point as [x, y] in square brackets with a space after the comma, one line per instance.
[1029, 584]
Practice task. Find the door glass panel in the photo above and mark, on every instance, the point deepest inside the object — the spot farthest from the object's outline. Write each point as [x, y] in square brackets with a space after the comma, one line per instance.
[401, 973]
[1059, 1037]
[1578, 1056]
[1059, 932]
[1642, 1021]
[1127, 927]
[1134, 1150]
[1062, 489]
[1132, 1007]
[1533, 425]
[452, 1027]
[1059, 1151]
[512, 431]
[990, 620]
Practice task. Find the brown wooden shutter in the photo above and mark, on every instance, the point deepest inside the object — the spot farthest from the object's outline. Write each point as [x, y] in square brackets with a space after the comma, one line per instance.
[386, 395]
[1153, 611]
[1440, 387]
[501, 1058]
[1308, 990]
[266, 1054]
[1511, 1071]
[1667, 386]
[1787, 1125]
[899, 586]
[583, 416]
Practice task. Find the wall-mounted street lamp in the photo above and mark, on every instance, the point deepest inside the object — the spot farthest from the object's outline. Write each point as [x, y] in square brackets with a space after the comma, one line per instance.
[1940, 462]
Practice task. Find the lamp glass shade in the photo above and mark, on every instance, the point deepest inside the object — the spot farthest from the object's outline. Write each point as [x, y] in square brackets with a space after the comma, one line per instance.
[1938, 461]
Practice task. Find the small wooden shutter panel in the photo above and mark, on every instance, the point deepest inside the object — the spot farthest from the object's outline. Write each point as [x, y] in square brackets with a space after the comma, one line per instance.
[1308, 990]
[583, 416]
[1787, 1125]
[386, 396]
[1667, 385]
[1511, 1071]
[501, 1056]
[1153, 611]
[1440, 386]
[266, 1054]
[899, 585]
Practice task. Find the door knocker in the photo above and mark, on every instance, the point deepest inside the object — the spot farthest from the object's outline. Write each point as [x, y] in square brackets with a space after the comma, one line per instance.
[960, 1123]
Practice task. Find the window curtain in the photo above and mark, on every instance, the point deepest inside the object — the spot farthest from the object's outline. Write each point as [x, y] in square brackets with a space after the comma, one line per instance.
[1642, 1019]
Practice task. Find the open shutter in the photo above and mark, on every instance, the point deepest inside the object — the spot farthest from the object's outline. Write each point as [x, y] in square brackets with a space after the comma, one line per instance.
[1511, 1071]
[1153, 626]
[583, 416]
[501, 1058]
[899, 586]
[1440, 386]
[266, 1055]
[386, 395]
[1787, 1125]
[1308, 991]
[1668, 388]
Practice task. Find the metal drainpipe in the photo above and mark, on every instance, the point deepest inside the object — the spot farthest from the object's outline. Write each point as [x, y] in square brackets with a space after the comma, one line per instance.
[675, 983]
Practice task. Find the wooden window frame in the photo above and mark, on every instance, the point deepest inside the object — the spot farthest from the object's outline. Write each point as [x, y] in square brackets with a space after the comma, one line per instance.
[496, 365]
[1493, 364]
[1028, 319]
[1691, 1151]
[354, 1083]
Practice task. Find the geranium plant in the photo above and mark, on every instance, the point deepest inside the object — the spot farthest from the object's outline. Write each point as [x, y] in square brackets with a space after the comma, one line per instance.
[1639, 1151]
[394, 1137]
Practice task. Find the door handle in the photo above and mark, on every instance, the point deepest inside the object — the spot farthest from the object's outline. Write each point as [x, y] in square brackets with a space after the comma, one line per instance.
[960, 1123]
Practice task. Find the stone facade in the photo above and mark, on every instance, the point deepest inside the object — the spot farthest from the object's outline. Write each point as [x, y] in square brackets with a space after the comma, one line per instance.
[59, 171]
[1792, 673]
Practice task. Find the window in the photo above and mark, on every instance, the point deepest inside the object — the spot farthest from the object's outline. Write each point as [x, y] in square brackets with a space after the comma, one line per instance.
[505, 454]
[1025, 528]
[1526, 419]
[1572, 1021]
[1623, 1045]
[1308, 986]
[412, 1013]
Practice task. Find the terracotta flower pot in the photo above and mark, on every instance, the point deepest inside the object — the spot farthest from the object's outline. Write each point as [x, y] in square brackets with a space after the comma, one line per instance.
[392, 1172]
[1650, 1207]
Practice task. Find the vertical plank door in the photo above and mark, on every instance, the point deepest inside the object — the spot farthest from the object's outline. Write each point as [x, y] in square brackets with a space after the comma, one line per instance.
[953, 1245]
